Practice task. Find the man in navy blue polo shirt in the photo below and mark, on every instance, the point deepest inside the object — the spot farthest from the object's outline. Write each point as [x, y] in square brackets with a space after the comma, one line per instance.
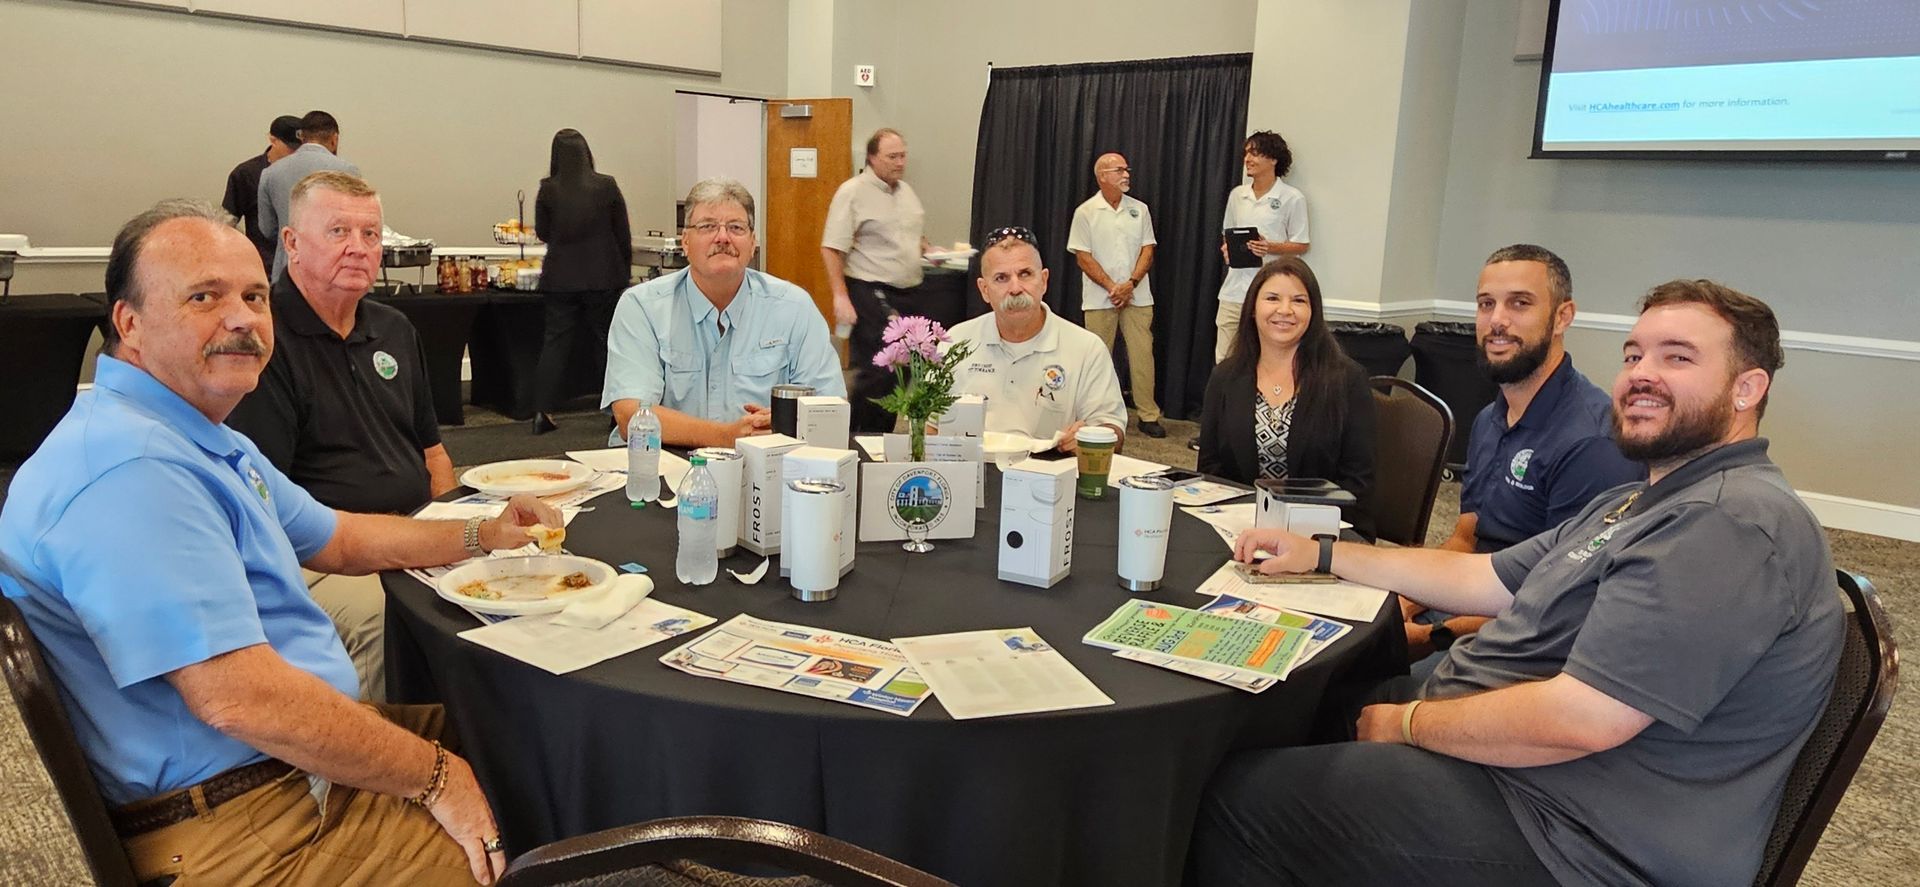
[1543, 449]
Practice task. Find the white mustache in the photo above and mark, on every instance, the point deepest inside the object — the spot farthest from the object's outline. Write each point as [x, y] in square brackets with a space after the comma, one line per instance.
[1017, 303]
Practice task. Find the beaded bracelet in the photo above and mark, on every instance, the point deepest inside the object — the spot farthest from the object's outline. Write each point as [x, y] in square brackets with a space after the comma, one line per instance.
[436, 782]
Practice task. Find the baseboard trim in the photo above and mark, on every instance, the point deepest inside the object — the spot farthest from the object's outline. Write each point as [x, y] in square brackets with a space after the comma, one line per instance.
[1862, 516]
[1454, 309]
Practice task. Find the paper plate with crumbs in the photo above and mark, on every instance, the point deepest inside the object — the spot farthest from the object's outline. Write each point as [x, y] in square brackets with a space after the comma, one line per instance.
[522, 586]
[535, 477]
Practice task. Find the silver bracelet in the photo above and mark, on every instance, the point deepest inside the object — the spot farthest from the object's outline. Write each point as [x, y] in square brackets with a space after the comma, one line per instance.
[471, 536]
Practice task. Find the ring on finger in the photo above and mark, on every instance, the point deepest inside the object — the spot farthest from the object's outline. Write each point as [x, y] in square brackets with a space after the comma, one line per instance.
[491, 845]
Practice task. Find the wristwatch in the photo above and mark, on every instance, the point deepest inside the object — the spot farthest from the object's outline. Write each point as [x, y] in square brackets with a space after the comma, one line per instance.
[1441, 637]
[1326, 554]
[470, 537]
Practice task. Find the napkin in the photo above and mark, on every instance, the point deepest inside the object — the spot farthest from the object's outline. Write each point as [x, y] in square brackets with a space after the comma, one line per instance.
[598, 610]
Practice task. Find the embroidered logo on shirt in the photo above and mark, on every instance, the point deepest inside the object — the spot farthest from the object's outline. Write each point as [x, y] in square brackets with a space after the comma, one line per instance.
[1055, 376]
[259, 484]
[385, 365]
[1273, 203]
[1593, 546]
[1518, 467]
[1133, 212]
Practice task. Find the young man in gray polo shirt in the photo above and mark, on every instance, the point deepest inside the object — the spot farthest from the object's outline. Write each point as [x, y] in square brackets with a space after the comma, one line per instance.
[1631, 714]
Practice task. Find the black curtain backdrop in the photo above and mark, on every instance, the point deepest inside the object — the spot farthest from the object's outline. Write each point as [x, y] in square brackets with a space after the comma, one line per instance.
[1180, 122]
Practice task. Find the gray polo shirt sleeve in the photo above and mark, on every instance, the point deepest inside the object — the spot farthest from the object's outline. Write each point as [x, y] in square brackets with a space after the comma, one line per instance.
[1513, 563]
[1683, 613]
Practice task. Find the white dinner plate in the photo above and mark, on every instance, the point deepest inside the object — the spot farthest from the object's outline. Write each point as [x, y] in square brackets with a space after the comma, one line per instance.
[519, 602]
[537, 477]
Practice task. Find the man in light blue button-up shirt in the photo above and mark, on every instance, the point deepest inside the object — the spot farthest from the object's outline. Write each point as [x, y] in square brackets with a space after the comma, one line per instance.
[705, 346]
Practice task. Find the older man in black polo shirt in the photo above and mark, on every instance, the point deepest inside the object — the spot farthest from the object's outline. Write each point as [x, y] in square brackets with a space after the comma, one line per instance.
[343, 407]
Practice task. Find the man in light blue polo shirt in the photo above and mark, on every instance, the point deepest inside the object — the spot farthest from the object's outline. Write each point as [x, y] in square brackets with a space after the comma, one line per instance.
[705, 345]
[156, 555]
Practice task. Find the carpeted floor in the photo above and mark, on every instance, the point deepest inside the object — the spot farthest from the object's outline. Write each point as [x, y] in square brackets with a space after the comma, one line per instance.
[1869, 843]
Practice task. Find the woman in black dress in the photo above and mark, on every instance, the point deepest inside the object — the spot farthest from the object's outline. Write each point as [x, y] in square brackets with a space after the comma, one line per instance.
[1287, 401]
[583, 219]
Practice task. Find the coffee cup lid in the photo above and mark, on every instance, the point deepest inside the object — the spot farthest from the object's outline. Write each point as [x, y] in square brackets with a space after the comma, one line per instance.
[1096, 434]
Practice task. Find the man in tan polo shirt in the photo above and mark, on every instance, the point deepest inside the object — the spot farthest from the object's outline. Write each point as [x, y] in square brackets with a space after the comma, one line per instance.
[872, 247]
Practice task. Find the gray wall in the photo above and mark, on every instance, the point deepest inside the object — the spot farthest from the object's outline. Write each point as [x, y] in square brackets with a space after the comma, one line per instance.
[1835, 248]
[932, 61]
[111, 108]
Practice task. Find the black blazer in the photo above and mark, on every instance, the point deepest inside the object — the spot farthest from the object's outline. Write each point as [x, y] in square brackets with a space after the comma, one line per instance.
[1343, 455]
[589, 241]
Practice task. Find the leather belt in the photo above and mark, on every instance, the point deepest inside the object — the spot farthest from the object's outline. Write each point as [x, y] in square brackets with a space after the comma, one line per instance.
[153, 814]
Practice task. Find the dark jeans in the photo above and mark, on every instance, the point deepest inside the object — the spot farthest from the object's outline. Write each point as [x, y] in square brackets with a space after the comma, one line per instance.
[1361, 813]
[569, 317]
[871, 310]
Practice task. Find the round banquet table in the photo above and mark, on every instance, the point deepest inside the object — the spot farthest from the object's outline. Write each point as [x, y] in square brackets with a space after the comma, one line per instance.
[1104, 795]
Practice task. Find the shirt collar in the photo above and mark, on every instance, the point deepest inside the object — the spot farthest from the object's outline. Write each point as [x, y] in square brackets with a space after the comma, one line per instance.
[1548, 397]
[1045, 340]
[701, 309]
[140, 387]
[291, 309]
[1740, 454]
[874, 179]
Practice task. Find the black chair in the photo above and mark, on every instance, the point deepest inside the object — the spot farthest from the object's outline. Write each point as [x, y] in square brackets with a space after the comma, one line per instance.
[661, 853]
[1414, 428]
[1862, 693]
[35, 691]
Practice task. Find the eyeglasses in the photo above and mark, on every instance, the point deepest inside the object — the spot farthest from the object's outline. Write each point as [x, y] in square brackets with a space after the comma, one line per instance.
[1014, 231]
[708, 229]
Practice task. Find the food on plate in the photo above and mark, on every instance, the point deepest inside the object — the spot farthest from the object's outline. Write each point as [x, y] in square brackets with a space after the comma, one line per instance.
[549, 538]
[525, 587]
[575, 579]
[478, 589]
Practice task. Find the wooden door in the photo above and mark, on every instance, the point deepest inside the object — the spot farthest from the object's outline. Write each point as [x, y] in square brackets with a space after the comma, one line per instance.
[796, 210]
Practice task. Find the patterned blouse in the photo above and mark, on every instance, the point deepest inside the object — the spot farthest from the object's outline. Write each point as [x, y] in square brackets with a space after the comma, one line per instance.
[1271, 427]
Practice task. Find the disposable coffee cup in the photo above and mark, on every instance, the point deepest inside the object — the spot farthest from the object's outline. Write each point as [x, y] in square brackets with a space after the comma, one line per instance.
[1146, 514]
[1095, 443]
[786, 408]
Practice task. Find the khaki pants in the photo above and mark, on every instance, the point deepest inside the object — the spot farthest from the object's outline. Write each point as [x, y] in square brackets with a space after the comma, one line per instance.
[277, 834]
[1135, 323]
[1226, 324]
[358, 607]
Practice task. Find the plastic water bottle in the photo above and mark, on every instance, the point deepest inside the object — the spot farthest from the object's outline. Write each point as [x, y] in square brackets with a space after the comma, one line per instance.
[643, 456]
[698, 561]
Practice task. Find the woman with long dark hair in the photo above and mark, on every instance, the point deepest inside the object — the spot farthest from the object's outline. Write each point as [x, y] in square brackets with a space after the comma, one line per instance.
[1287, 401]
[583, 219]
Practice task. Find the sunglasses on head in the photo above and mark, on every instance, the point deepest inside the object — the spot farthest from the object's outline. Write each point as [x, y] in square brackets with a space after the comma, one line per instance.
[1014, 231]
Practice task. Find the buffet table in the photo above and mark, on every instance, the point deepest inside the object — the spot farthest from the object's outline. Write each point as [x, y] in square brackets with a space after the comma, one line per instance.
[1104, 795]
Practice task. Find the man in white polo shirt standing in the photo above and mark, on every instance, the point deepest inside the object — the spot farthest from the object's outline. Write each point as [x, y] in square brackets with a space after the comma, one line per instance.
[1274, 207]
[1112, 240]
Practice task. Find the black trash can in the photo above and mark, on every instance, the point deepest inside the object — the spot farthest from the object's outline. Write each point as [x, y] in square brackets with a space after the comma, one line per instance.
[1380, 347]
[1444, 362]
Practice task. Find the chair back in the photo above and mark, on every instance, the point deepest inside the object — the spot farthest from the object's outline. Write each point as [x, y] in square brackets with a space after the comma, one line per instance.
[1414, 428]
[38, 697]
[658, 852]
[1862, 692]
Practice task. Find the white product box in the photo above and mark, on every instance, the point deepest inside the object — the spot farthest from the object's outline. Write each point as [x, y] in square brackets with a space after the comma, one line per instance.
[966, 418]
[760, 485]
[1298, 518]
[823, 421]
[1036, 521]
[826, 463]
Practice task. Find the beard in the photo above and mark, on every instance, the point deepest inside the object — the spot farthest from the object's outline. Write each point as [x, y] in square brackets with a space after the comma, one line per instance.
[1688, 431]
[1525, 360]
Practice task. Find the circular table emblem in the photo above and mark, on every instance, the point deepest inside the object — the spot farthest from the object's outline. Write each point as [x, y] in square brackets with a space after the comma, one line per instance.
[385, 365]
[920, 494]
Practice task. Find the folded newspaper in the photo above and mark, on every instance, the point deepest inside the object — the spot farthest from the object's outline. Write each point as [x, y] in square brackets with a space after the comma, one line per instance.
[806, 661]
[1206, 639]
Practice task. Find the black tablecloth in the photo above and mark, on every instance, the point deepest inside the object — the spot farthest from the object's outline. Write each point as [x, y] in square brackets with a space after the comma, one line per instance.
[1101, 796]
[445, 323]
[43, 340]
[506, 347]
